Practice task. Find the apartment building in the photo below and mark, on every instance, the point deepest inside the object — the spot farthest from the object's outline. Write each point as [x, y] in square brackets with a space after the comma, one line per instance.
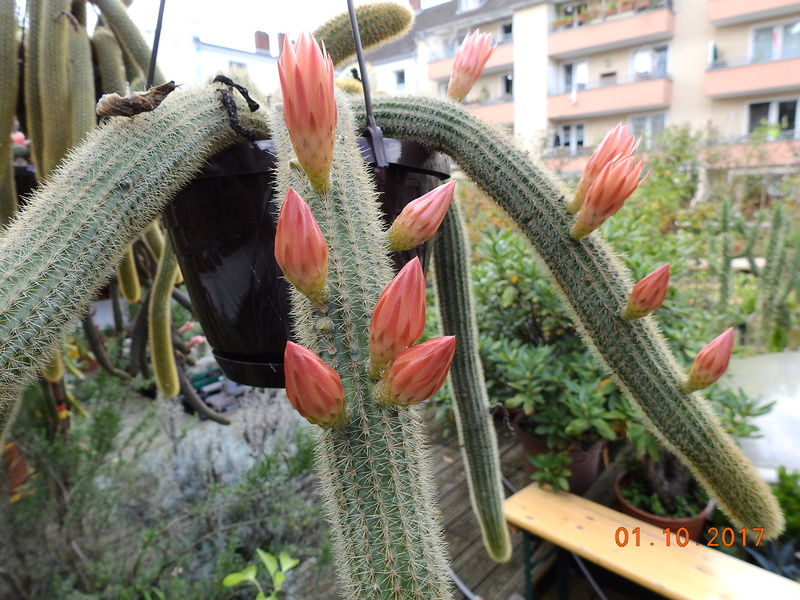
[565, 71]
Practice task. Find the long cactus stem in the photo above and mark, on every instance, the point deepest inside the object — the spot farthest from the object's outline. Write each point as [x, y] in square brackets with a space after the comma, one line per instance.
[59, 252]
[725, 267]
[160, 324]
[594, 285]
[771, 275]
[476, 434]
[375, 471]
[8, 103]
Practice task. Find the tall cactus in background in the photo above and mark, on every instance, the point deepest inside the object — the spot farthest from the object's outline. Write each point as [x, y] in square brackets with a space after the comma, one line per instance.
[9, 44]
[726, 253]
[594, 286]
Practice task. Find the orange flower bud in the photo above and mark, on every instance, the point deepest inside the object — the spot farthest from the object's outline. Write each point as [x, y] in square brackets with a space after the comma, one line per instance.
[420, 219]
[417, 373]
[398, 319]
[710, 363]
[309, 106]
[300, 248]
[618, 142]
[618, 180]
[470, 60]
[314, 388]
[648, 294]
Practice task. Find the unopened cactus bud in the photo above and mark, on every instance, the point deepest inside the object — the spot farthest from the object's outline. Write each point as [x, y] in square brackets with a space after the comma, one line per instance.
[618, 142]
[300, 248]
[309, 107]
[710, 363]
[398, 319]
[618, 180]
[420, 219]
[648, 294]
[470, 60]
[417, 373]
[314, 388]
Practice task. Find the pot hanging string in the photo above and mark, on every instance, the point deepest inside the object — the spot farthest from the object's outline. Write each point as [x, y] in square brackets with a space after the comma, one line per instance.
[156, 38]
[372, 128]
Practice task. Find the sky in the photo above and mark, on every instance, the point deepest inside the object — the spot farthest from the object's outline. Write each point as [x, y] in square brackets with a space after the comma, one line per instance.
[232, 22]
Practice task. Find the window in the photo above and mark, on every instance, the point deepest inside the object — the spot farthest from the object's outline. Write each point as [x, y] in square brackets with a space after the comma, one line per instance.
[237, 65]
[507, 84]
[778, 116]
[651, 62]
[400, 80]
[506, 33]
[569, 136]
[647, 126]
[776, 42]
[575, 75]
[464, 5]
[607, 79]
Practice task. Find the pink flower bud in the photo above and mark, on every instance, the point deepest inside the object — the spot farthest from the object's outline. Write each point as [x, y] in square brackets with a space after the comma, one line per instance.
[420, 218]
[648, 294]
[470, 60]
[618, 142]
[18, 138]
[417, 373]
[710, 363]
[398, 319]
[314, 388]
[309, 106]
[618, 180]
[186, 326]
[300, 248]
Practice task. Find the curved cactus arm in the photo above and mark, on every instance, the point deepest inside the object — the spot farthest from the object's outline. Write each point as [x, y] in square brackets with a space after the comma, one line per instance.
[476, 433]
[58, 253]
[594, 286]
[375, 470]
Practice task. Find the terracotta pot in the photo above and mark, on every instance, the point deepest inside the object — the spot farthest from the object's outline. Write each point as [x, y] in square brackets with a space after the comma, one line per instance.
[694, 525]
[585, 464]
[222, 226]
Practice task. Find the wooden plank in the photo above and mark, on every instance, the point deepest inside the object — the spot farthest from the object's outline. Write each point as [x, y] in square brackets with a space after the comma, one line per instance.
[693, 572]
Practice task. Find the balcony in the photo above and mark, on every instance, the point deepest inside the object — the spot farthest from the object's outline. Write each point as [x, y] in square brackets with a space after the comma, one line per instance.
[601, 99]
[740, 77]
[499, 111]
[502, 57]
[622, 30]
[731, 12]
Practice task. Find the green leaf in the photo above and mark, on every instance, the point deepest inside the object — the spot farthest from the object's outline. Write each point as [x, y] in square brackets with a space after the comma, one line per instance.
[269, 561]
[261, 596]
[246, 574]
[287, 562]
[508, 297]
[278, 579]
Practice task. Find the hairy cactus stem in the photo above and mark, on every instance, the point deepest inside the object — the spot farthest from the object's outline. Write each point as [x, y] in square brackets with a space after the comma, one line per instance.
[593, 285]
[379, 491]
[59, 252]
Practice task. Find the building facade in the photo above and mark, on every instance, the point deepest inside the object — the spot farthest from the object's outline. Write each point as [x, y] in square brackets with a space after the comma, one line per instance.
[564, 72]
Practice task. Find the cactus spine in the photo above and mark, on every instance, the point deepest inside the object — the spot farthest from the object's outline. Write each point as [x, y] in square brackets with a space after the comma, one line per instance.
[594, 287]
[476, 434]
[60, 251]
[379, 493]
[8, 103]
[378, 23]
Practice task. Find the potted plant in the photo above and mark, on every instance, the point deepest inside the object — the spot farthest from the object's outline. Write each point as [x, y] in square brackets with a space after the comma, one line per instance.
[563, 405]
[611, 9]
[562, 22]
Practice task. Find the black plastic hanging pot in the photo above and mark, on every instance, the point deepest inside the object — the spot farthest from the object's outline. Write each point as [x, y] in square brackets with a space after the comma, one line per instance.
[222, 226]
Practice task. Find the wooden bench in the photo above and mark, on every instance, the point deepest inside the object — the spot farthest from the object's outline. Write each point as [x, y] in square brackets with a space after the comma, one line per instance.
[592, 531]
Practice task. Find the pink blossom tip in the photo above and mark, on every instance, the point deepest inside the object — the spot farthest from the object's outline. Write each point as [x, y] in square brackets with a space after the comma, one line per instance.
[647, 294]
[417, 373]
[300, 248]
[420, 219]
[309, 106]
[398, 319]
[616, 182]
[313, 387]
[468, 65]
[711, 362]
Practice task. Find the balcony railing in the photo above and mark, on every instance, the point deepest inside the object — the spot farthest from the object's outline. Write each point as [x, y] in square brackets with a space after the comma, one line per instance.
[723, 13]
[743, 76]
[606, 83]
[451, 52]
[600, 13]
[741, 61]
